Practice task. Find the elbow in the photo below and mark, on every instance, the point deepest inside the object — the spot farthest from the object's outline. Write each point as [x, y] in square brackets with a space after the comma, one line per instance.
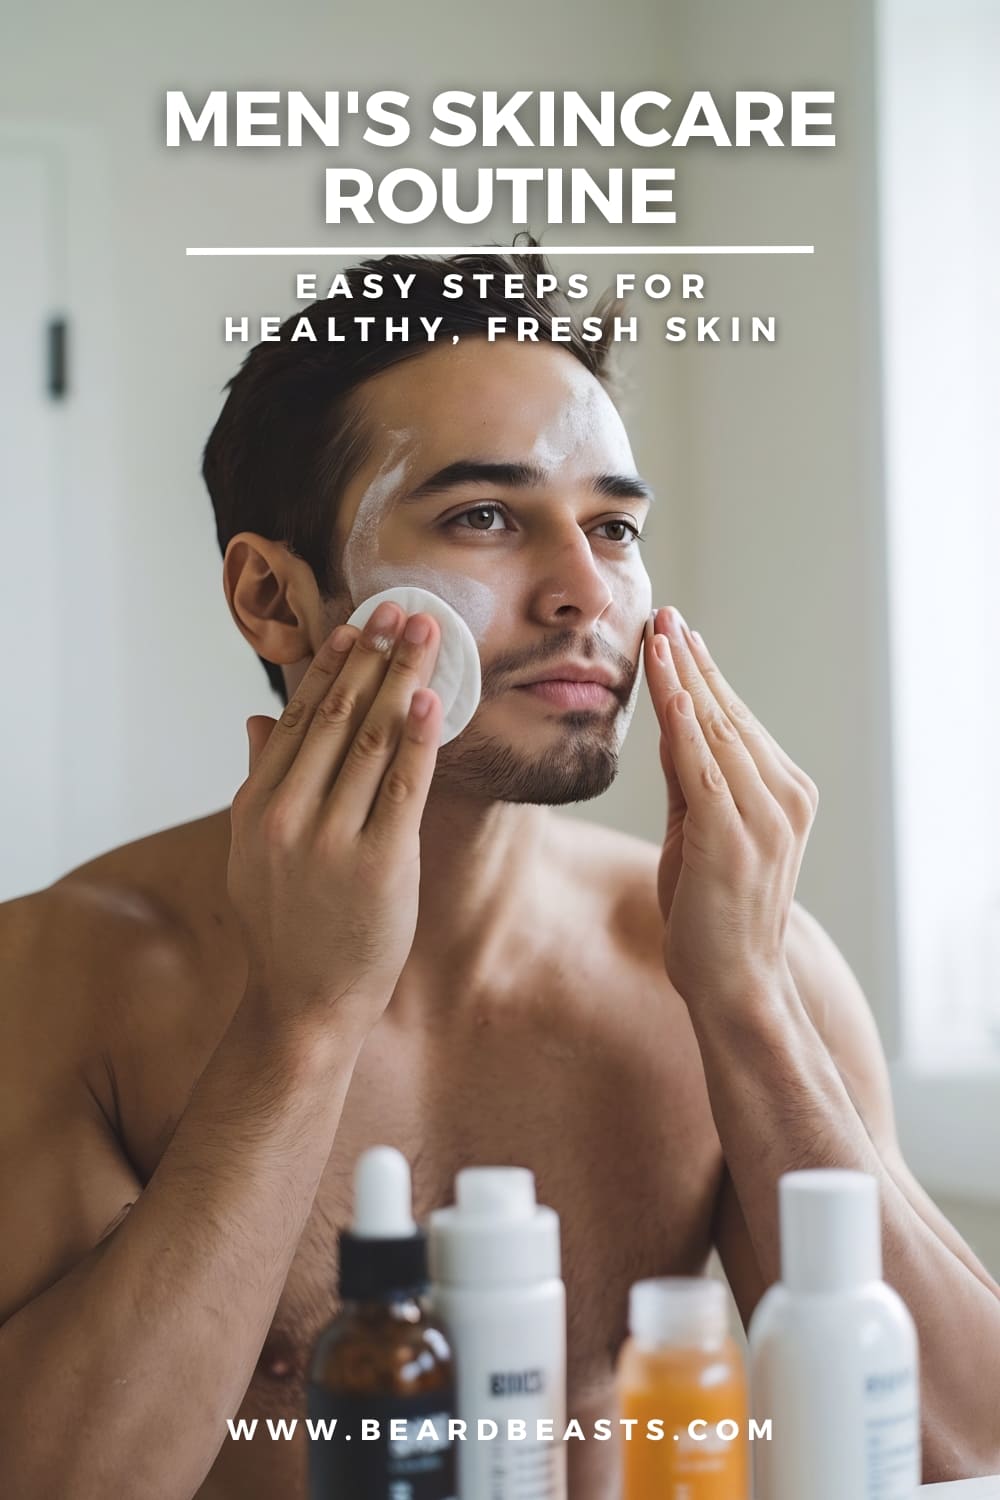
[967, 1451]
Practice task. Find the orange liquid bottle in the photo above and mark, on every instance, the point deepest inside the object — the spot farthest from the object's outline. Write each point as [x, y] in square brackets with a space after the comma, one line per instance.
[681, 1380]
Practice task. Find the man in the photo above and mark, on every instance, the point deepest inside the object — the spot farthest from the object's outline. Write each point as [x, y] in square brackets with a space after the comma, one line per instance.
[204, 1028]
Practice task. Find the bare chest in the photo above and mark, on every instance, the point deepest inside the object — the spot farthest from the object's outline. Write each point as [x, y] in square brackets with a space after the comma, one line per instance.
[589, 1075]
[622, 1146]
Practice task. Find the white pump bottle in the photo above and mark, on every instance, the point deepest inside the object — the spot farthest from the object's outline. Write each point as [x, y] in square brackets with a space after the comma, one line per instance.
[495, 1282]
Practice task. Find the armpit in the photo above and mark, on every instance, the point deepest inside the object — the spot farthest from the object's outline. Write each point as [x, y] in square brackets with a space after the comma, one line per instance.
[119, 1218]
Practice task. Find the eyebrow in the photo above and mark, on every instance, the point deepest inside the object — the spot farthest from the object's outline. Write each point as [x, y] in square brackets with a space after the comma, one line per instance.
[520, 476]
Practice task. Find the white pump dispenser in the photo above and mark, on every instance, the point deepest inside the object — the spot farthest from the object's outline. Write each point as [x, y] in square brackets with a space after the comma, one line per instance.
[495, 1281]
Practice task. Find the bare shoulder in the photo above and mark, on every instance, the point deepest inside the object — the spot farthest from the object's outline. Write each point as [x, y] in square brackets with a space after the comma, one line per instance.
[68, 957]
[95, 972]
[839, 1010]
[615, 873]
[89, 963]
[148, 899]
[173, 880]
[827, 985]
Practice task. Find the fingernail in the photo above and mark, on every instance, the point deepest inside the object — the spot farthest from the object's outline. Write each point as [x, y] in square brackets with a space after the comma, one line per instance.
[696, 637]
[381, 628]
[417, 630]
[420, 703]
[662, 647]
[341, 638]
[683, 702]
[675, 621]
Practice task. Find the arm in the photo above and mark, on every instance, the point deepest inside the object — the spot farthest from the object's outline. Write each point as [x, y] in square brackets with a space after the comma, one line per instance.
[123, 1350]
[121, 1357]
[795, 1074]
[839, 1013]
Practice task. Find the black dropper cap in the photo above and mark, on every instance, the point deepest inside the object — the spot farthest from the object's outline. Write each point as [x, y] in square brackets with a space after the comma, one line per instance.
[374, 1270]
[384, 1254]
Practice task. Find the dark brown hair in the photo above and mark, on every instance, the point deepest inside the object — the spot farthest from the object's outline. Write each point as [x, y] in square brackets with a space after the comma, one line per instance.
[289, 439]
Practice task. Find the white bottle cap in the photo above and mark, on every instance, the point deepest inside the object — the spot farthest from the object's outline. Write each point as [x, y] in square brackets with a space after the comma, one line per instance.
[678, 1310]
[382, 1195]
[830, 1231]
[496, 1234]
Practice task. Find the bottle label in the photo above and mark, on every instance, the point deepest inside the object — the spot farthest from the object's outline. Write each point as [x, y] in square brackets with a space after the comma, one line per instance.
[381, 1447]
[516, 1382]
[892, 1434]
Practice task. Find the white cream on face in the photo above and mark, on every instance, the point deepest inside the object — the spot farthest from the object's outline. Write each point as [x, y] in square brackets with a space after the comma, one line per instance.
[367, 573]
[570, 433]
[634, 590]
[361, 546]
[474, 601]
[571, 426]
[567, 435]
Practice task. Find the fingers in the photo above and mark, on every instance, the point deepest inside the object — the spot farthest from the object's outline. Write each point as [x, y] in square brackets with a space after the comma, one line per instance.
[272, 759]
[259, 727]
[754, 732]
[402, 794]
[657, 669]
[788, 785]
[675, 795]
[298, 765]
[661, 673]
[720, 736]
[367, 756]
[705, 789]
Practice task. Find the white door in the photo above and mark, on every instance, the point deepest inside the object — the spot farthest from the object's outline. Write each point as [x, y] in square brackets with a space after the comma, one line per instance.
[31, 726]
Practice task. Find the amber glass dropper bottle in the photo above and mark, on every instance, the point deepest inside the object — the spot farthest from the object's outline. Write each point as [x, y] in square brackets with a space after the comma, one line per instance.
[384, 1360]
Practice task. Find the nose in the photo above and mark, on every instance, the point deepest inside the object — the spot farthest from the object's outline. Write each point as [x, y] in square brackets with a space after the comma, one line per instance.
[572, 590]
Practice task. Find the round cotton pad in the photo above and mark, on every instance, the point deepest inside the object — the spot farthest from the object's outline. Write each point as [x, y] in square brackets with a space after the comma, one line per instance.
[456, 678]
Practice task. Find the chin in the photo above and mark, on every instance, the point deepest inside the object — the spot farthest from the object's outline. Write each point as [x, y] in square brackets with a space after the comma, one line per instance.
[574, 764]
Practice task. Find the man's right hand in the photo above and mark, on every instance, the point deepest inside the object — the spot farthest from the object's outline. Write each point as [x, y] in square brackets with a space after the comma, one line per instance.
[324, 864]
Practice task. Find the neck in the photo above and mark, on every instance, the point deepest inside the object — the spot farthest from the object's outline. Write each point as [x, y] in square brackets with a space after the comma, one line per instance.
[477, 876]
[478, 879]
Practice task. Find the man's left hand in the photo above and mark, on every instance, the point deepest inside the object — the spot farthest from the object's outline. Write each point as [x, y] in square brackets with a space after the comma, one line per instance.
[740, 815]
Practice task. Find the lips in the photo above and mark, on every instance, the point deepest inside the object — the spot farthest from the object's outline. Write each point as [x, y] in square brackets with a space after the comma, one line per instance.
[568, 671]
[570, 693]
[570, 685]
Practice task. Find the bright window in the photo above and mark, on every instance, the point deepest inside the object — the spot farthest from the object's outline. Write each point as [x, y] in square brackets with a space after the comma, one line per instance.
[939, 82]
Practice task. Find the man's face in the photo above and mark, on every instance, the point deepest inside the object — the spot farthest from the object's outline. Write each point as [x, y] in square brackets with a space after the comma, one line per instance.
[537, 553]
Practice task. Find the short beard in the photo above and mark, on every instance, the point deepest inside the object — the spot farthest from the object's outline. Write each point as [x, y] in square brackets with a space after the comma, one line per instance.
[476, 766]
[584, 767]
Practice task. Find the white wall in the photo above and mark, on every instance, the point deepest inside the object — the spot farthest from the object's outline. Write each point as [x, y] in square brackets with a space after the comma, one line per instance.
[940, 213]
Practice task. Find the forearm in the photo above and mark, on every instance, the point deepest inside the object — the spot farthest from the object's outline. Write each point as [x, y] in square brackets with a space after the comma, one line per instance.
[780, 1104]
[120, 1377]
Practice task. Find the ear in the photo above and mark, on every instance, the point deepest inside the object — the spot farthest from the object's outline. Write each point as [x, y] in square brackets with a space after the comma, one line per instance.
[272, 597]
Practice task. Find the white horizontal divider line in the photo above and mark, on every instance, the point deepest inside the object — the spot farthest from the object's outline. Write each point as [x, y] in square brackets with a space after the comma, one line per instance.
[303, 250]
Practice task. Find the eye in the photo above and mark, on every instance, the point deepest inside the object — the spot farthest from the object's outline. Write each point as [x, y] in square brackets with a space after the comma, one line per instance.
[621, 531]
[479, 518]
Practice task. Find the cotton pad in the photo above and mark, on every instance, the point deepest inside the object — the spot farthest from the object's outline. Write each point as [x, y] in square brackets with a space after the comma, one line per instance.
[456, 678]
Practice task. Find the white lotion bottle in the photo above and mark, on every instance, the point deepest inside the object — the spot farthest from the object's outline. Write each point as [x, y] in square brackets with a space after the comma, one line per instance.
[496, 1285]
[833, 1353]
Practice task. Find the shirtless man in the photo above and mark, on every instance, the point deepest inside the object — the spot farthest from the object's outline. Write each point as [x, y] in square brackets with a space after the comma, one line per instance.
[203, 1029]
